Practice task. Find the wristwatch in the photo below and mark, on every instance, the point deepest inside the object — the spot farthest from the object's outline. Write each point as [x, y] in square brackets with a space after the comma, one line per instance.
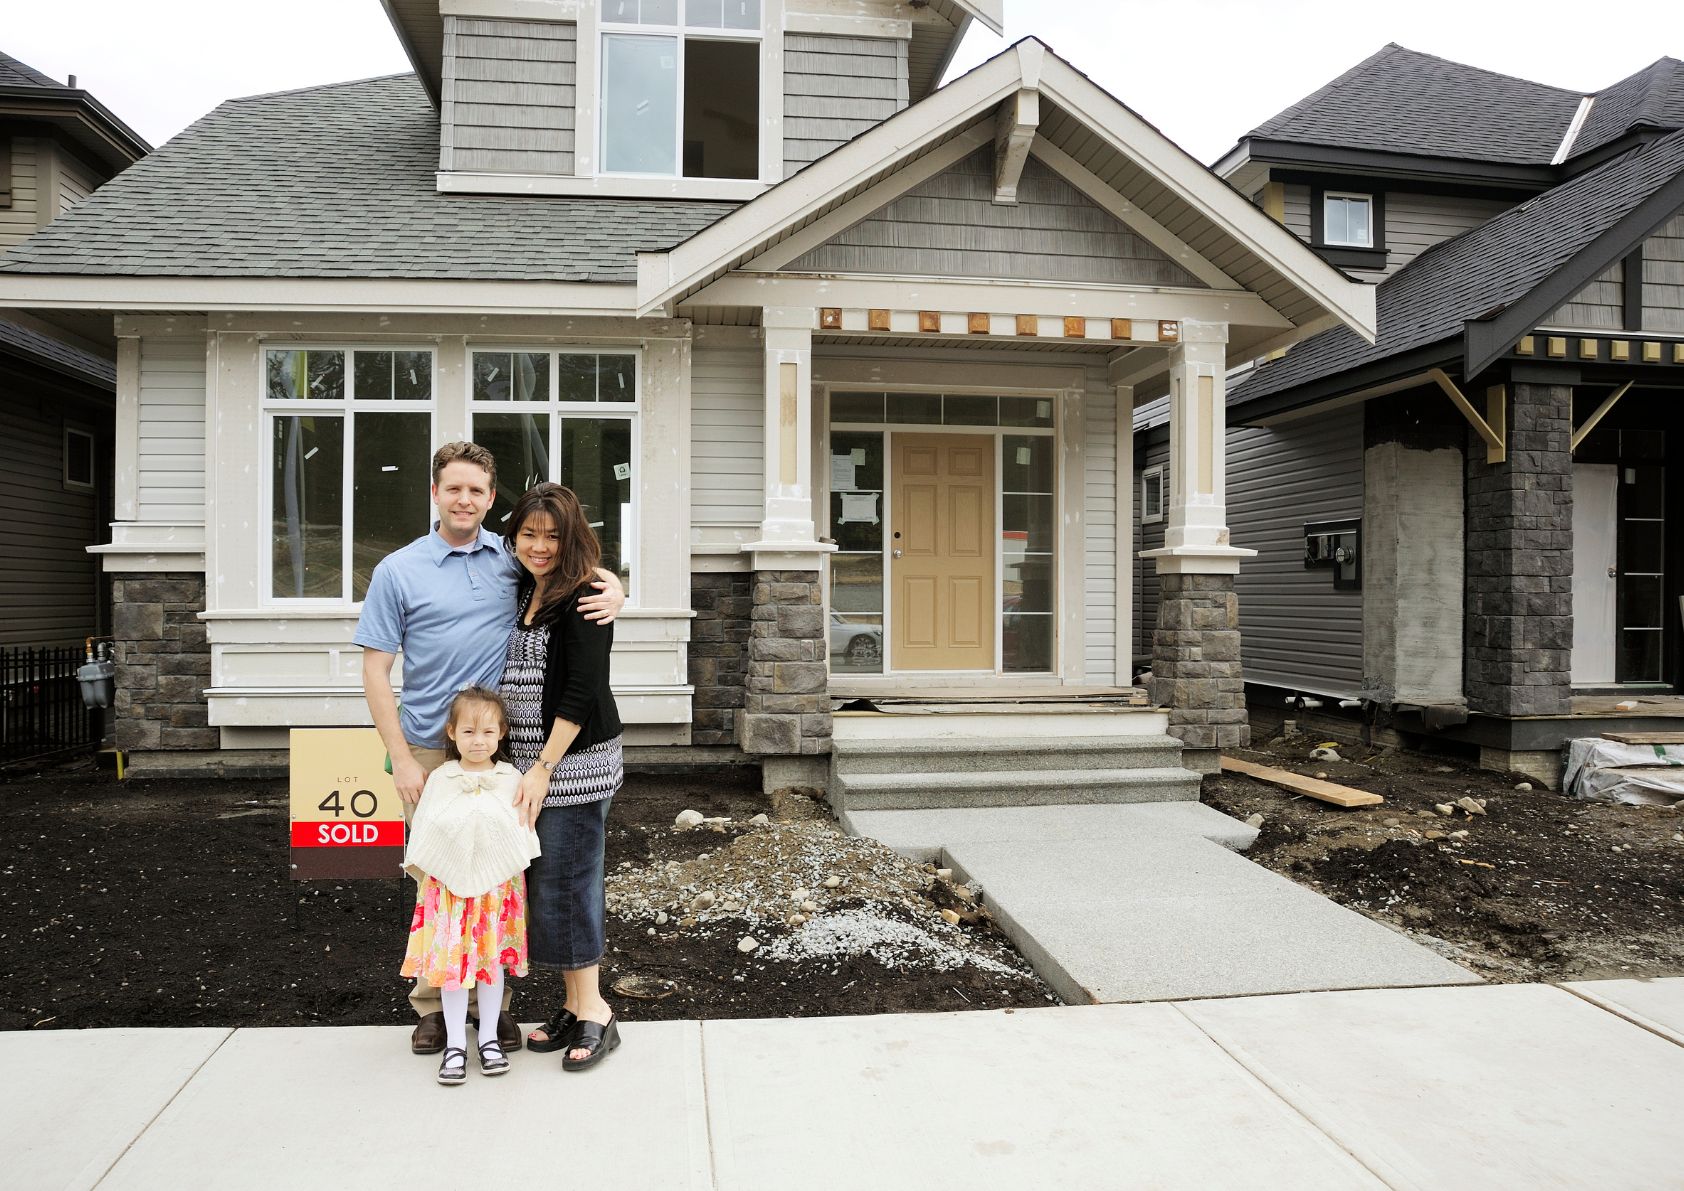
[547, 766]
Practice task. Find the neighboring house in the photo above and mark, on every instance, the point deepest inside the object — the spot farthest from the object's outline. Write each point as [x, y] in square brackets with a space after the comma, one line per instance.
[834, 358]
[57, 371]
[1471, 519]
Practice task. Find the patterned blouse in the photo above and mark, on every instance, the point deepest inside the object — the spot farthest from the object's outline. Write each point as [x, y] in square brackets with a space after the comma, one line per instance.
[589, 775]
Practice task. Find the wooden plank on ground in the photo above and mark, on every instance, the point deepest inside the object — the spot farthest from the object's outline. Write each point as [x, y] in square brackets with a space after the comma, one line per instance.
[1313, 787]
[1644, 737]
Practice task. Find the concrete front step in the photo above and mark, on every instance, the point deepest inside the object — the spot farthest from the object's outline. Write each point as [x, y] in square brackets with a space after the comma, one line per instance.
[1010, 787]
[976, 754]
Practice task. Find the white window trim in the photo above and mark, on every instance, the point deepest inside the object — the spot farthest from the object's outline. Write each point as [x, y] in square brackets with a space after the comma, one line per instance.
[269, 409]
[1147, 475]
[72, 484]
[627, 411]
[1368, 203]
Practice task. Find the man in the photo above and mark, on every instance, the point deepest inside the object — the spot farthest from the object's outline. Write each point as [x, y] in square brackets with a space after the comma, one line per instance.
[447, 602]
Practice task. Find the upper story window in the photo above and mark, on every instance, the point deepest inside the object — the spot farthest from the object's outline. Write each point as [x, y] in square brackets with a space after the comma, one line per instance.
[1348, 219]
[681, 88]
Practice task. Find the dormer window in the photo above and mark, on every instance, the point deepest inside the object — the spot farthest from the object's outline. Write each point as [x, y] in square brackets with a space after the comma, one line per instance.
[680, 88]
[1347, 219]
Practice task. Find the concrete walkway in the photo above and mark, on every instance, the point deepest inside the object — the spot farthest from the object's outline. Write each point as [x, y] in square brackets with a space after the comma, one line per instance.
[1149, 902]
[1511, 1086]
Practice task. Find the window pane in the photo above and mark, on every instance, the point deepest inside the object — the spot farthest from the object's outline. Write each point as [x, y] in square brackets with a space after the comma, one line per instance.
[1028, 520]
[305, 375]
[1026, 463]
[575, 377]
[373, 371]
[856, 496]
[742, 14]
[919, 408]
[721, 109]
[1026, 411]
[1027, 643]
[1641, 545]
[658, 12]
[704, 14]
[389, 471]
[1640, 601]
[78, 458]
[521, 445]
[1640, 656]
[970, 411]
[308, 491]
[616, 378]
[1027, 580]
[856, 407]
[596, 462]
[622, 11]
[511, 376]
[412, 376]
[1643, 493]
[856, 643]
[640, 104]
[856, 582]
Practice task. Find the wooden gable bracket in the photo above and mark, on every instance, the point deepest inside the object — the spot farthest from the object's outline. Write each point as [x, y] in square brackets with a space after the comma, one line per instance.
[1493, 427]
[1014, 132]
[1583, 432]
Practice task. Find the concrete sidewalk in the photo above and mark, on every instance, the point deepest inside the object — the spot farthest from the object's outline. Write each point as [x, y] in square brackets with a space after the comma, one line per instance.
[1510, 1086]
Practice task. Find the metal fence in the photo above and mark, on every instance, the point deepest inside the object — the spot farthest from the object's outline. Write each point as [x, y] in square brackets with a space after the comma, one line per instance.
[41, 708]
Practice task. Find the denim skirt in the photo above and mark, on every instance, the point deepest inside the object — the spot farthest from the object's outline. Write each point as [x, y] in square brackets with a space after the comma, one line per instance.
[566, 910]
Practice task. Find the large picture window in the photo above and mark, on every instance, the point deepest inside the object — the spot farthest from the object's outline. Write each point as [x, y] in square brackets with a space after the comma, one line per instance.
[681, 87]
[568, 416]
[349, 433]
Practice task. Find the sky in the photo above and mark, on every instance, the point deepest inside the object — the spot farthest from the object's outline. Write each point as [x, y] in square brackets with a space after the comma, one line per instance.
[1203, 71]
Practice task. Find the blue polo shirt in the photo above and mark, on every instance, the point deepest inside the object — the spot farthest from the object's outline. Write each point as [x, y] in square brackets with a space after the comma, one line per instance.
[448, 610]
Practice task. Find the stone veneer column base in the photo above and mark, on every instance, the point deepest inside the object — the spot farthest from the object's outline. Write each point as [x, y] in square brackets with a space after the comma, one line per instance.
[786, 711]
[1196, 672]
[163, 663]
[718, 654]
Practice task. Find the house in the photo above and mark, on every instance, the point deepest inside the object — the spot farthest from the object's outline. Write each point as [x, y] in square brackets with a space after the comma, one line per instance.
[1463, 527]
[841, 363]
[57, 370]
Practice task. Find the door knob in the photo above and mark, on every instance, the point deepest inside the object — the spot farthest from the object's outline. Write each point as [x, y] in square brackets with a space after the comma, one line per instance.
[895, 553]
[1611, 573]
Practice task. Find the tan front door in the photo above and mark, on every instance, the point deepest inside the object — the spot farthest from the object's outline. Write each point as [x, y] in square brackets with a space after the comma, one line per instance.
[941, 552]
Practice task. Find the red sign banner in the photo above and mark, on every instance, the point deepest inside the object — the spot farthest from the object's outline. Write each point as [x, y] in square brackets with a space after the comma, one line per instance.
[366, 834]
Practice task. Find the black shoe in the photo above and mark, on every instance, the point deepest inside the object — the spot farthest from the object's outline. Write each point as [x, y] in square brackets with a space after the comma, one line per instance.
[594, 1037]
[556, 1033]
[492, 1060]
[452, 1071]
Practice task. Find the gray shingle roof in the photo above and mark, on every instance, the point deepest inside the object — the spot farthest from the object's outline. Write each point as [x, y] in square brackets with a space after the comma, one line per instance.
[1651, 98]
[44, 349]
[338, 181]
[1402, 101]
[1479, 271]
[20, 74]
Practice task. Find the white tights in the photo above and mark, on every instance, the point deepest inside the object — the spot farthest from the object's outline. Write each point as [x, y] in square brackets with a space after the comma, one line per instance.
[489, 1003]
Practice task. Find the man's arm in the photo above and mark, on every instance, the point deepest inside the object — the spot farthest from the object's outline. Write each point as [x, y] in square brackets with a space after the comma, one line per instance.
[605, 605]
[407, 773]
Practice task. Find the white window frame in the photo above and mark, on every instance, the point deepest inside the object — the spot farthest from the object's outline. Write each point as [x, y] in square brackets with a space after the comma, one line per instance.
[631, 547]
[344, 408]
[680, 32]
[71, 483]
[1147, 477]
[1367, 201]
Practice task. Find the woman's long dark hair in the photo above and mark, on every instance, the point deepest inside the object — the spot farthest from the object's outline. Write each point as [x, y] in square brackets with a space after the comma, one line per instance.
[578, 553]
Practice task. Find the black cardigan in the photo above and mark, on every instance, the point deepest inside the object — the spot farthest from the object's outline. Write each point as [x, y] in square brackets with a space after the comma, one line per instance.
[576, 673]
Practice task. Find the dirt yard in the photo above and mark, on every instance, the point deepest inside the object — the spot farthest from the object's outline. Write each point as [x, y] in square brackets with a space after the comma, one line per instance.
[1539, 887]
[154, 903]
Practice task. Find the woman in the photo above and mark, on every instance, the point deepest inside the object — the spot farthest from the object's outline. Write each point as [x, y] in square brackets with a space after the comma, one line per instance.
[564, 737]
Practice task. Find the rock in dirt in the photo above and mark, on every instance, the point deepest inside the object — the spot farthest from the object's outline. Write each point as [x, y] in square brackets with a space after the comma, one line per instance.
[1321, 776]
[1254, 820]
[809, 907]
[833, 882]
[800, 895]
[1324, 754]
[1435, 835]
[1470, 804]
[688, 819]
[1462, 834]
[760, 820]
[950, 917]
[1390, 823]
[945, 874]
[747, 944]
[1444, 808]
[702, 900]
[661, 918]
[1523, 787]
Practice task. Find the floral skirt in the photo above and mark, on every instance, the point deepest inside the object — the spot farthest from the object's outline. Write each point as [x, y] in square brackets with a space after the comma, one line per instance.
[456, 941]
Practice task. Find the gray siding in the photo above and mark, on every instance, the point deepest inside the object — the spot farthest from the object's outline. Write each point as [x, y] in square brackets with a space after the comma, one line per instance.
[1599, 306]
[1296, 210]
[47, 588]
[950, 226]
[836, 88]
[1416, 222]
[727, 416]
[1296, 631]
[509, 96]
[18, 220]
[171, 484]
[1099, 570]
[75, 182]
[1663, 278]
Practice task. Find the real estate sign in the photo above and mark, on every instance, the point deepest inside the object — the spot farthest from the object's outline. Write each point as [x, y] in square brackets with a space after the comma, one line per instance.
[347, 818]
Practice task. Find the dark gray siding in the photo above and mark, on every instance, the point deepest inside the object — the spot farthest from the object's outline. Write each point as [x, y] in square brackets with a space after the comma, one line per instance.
[509, 96]
[1599, 306]
[950, 226]
[1416, 222]
[836, 88]
[1296, 631]
[1663, 278]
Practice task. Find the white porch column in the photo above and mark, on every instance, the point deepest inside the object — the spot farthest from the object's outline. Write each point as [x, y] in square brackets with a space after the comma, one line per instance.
[1125, 534]
[1196, 520]
[786, 539]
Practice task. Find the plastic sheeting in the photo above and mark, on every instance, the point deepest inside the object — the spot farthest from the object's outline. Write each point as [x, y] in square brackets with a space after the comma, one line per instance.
[1601, 770]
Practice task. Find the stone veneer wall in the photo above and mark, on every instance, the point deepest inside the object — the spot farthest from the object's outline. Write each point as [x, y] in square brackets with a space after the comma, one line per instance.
[1196, 670]
[787, 708]
[163, 663]
[1520, 560]
[718, 661]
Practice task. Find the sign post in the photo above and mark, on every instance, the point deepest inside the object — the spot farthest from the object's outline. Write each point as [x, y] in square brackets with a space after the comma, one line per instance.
[347, 818]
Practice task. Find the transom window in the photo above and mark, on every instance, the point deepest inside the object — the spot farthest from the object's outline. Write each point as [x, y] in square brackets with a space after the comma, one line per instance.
[1348, 220]
[680, 89]
[569, 416]
[348, 431]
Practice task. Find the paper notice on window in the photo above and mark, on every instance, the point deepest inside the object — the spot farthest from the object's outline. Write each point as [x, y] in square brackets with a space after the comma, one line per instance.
[858, 507]
[1023, 456]
[842, 473]
[1043, 409]
[622, 471]
[858, 456]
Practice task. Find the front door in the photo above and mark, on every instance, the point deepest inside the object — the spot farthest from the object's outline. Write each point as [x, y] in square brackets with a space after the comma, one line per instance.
[1595, 492]
[941, 552]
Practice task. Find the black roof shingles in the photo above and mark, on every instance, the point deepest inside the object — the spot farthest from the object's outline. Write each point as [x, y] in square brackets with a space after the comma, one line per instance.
[1480, 271]
[339, 181]
[1651, 98]
[20, 74]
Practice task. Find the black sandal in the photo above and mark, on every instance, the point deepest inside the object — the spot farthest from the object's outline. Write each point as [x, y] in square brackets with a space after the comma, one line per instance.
[450, 1073]
[556, 1033]
[492, 1060]
[594, 1037]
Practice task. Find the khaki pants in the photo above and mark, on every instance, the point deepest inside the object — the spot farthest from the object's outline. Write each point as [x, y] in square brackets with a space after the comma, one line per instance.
[423, 997]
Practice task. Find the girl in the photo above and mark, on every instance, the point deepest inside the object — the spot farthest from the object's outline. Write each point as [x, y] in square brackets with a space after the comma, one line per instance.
[469, 848]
